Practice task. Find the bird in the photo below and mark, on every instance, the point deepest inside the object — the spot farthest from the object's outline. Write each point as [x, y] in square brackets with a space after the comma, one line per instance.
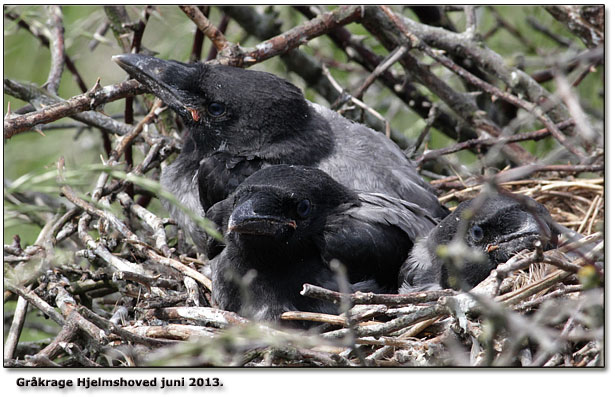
[285, 223]
[491, 229]
[239, 121]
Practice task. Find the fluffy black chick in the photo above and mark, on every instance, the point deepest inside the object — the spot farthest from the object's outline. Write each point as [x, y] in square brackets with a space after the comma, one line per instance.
[288, 222]
[240, 121]
[492, 229]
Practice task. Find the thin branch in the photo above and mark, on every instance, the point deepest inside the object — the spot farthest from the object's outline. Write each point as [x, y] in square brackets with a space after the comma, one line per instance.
[345, 97]
[562, 41]
[485, 142]
[384, 65]
[213, 51]
[68, 333]
[512, 29]
[88, 101]
[155, 223]
[109, 328]
[127, 139]
[301, 34]
[207, 315]
[197, 42]
[35, 301]
[314, 317]
[41, 99]
[45, 41]
[99, 35]
[317, 292]
[205, 26]
[19, 317]
[57, 49]
[431, 118]
[491, 89]
[392, 325]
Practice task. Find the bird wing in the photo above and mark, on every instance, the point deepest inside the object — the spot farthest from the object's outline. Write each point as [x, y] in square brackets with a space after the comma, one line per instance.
[382, 209]
[373, 240]
[366, 160]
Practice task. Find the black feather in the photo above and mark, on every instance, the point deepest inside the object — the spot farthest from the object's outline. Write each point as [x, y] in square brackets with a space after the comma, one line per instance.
[288, 222]
[259, 119]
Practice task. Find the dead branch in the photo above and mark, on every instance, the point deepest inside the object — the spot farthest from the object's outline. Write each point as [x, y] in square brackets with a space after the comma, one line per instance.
[206, 27]
[485, 142]
[207, 315]
[19, 316]
[89, 101]
[314, 291]
[41, 99]
[57, 49]
[45, 41]
[488, 88]
[586, 22]
[301, 34]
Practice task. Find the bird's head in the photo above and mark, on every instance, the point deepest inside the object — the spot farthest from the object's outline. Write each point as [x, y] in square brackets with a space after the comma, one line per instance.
[223, 106]
[285, 207]
[495, 227]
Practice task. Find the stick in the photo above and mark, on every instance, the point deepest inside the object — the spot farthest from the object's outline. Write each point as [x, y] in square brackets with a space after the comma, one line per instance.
[19, 317]
[317, 292]
[88, 101]
[57, 49]
[205, 26]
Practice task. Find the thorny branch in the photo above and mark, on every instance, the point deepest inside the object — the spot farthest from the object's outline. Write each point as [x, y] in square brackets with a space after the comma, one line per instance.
[91, 100]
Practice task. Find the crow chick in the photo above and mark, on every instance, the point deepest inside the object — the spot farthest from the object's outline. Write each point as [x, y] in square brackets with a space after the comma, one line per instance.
[288, 222]
[240, 121]
[498, 226]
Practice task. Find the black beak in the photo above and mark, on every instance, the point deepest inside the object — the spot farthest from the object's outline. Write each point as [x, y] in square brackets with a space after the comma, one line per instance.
[244, 220]
[532, 229]
[161, 78]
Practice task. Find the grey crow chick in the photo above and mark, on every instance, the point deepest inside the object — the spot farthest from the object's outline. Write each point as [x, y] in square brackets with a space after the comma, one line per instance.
[288, 222]
[240, 121]
[498, 227]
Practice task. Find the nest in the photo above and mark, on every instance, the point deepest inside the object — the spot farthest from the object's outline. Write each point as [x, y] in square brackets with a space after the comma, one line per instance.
[135, 295]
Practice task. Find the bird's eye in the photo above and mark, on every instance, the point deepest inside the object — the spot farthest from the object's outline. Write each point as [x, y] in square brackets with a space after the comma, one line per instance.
[216, 109]
[476, 232]
[303, 208]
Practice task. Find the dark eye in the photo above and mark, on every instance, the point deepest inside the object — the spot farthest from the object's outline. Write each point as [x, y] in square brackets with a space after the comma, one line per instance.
[216, 109]
[476, 232]
[303, 208]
